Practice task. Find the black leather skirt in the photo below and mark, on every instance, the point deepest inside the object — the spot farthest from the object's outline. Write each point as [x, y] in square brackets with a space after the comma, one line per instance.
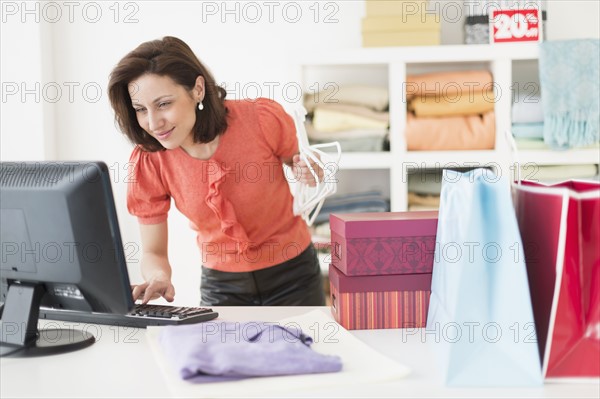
[296, 282]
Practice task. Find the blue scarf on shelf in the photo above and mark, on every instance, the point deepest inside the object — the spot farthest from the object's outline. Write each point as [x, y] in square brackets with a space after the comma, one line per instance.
[570, 85]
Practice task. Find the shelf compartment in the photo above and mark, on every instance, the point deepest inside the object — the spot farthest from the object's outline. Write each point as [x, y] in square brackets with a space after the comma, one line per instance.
[365, 160]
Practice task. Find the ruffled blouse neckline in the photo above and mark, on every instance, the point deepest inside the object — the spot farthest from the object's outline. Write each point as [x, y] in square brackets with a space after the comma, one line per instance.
[223, 209]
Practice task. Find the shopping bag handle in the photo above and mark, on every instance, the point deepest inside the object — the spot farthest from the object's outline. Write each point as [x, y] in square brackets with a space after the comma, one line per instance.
[513, 154]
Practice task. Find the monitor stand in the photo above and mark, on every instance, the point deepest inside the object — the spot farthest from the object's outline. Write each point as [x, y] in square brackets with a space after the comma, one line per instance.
[20, 335]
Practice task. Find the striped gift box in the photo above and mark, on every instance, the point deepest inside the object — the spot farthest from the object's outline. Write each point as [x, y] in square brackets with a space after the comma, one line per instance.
[377, 302]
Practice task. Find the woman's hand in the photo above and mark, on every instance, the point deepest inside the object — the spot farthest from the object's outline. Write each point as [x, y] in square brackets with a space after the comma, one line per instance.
[155, 265]
[302, 172]
[153, 289]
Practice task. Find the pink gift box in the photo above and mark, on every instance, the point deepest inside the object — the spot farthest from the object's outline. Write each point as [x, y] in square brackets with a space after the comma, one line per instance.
[382, 243]
[377, 302]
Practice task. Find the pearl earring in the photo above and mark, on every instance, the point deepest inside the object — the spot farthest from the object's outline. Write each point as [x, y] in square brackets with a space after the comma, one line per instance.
[200, 106]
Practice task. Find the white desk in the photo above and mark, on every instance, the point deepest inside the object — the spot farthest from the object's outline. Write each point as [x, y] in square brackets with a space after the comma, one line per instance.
[121, 364]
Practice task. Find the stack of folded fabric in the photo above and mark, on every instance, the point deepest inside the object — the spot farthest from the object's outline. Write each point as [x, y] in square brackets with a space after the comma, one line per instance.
[528, 122]
[423, 202]
[424, 187]
[400, 23]
[450, 111]
[353, 115]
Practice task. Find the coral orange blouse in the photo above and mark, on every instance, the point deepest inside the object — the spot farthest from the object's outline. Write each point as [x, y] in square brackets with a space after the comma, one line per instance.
[239, 201]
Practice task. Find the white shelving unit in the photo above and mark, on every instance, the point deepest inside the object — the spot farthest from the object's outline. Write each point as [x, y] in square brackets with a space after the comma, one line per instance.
[571, 157]
[388, 67]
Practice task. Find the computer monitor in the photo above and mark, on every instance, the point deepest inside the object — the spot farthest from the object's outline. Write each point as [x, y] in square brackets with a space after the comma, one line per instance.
[60, 247]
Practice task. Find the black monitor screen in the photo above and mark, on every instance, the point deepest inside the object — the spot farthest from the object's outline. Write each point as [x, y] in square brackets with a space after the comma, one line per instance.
[60, 247]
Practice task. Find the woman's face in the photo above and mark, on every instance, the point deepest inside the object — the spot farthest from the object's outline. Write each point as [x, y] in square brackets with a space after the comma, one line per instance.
[165, 109]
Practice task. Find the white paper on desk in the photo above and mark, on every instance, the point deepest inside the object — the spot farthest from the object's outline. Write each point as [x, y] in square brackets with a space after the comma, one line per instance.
[361, 364]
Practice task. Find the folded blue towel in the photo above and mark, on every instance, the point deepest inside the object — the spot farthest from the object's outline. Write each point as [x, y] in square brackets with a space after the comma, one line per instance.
[527, 108]
[226, 351]
[528, 130]
[570, 85]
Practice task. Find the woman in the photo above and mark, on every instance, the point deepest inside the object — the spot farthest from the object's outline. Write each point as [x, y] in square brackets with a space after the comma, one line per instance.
[221, 163]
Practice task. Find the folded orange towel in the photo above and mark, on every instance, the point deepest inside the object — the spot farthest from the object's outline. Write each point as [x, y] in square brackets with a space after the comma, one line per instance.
[476, 132]
[448, 83]
[453, 105]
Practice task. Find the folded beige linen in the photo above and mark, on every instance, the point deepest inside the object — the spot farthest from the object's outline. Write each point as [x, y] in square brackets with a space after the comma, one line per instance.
[374, 97]
[326, 119]
[314, 134]
[359, 110]
[453, 105]
[476, 132]
[448, 83]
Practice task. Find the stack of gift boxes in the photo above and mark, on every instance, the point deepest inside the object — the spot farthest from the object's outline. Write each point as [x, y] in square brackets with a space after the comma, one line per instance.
[380, 274]
[400, 23]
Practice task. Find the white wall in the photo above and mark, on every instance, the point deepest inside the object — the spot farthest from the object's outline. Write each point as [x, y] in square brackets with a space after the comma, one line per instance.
[26, 119]
[76, 45]
[575, 19]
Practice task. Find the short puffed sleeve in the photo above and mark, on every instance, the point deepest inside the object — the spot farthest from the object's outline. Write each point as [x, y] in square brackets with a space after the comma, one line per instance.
[277, 127]
[147, 197]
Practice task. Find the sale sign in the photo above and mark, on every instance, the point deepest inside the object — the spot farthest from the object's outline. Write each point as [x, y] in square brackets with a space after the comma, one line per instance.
[521, 25]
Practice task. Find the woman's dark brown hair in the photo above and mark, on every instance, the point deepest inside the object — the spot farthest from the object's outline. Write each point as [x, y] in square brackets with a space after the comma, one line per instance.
[170, 57]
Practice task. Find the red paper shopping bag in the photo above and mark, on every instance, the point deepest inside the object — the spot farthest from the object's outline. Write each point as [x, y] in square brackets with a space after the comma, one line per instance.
[560, 230]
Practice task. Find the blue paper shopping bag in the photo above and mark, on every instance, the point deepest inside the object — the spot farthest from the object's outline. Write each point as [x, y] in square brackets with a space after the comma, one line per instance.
[480, 319]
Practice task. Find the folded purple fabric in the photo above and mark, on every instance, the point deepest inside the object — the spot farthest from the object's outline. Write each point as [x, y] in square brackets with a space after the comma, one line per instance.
[225, 351]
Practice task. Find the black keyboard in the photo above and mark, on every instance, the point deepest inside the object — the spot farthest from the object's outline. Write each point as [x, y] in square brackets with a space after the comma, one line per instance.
[140, 317]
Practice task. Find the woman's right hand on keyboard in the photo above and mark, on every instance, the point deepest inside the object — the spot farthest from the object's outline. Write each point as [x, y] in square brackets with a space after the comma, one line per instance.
[154, 289]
